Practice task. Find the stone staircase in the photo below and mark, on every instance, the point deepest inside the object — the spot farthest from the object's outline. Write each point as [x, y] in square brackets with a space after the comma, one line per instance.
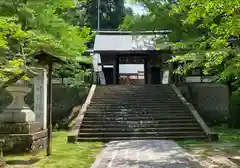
[121, 112]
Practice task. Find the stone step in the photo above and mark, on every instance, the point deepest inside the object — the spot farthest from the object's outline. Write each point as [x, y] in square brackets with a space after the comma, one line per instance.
[167, 104]
[135, 89]
[127, 101]
[137, 107]
[107, 139]
[136, 97]
[128, 87]
[145, 85]
[159, 89]
[125, 126]
[134, 94]
[137, 103]
[136, 123]
[109, 108]
[141, 118]
[142, 134]
[134, 112]
[134, 86]
[138, 111]
[130, 115]
[145, 90]
[112, 129]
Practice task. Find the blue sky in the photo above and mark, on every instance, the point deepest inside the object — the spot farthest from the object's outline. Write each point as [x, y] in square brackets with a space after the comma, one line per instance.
[137, 8]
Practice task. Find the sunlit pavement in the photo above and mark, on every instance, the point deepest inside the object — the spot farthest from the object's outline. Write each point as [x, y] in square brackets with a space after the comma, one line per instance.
[144, 154]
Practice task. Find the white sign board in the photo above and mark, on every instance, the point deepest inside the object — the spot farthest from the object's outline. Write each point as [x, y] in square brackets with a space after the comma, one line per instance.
[102, 78]
[165, 79]
[40, 97]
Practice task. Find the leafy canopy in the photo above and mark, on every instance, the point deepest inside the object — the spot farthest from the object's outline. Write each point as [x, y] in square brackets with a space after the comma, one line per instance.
[217, 49]
[27, 26]
[206, 31]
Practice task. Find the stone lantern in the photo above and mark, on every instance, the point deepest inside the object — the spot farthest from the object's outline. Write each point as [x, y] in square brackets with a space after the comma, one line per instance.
[18, 128]
[18, 111]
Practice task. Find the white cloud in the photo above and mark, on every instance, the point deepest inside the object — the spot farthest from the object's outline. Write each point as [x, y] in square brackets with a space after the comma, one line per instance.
[137, 8]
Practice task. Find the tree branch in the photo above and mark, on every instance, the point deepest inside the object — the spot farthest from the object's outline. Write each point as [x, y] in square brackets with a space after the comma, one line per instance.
[12, 80]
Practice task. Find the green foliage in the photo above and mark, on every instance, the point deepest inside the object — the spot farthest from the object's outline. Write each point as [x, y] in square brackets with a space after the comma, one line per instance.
[212, 50]
[112, 13]
[206, 34]
[30, 25]
[158, 18]
[75, 16]
[75, 72]
[201, 33]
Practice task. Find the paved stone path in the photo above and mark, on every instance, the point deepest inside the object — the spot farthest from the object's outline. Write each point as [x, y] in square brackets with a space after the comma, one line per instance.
[144, 154]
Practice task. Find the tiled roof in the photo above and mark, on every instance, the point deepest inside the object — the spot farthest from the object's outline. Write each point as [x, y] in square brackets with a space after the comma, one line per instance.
[126, 42]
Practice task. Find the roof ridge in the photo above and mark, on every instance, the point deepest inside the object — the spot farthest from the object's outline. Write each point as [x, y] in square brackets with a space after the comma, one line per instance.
[134, 32]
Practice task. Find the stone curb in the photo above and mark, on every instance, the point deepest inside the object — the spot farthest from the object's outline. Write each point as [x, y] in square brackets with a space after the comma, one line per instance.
[73, 133]
[98, 159]
[212, 136]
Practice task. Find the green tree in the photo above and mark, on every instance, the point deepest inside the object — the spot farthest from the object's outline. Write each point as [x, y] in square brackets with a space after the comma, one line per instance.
[75, 72]
[30, 25]
[112, 13]
[218, 51]
[206, 32]
[77, 16]
[157, 18]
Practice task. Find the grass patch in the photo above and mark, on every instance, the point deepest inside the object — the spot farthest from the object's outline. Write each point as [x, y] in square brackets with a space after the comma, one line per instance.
[80, 155]
[190, 142]
[224, 153]
[225, 135]
[228, 135]
[228, 144]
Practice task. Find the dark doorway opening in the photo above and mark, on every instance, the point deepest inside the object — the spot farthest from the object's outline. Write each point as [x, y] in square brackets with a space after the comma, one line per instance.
[108, 73]
[156, 75]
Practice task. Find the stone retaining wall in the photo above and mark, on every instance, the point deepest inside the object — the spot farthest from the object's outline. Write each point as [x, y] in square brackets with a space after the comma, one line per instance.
[64, 99]
[211, 100]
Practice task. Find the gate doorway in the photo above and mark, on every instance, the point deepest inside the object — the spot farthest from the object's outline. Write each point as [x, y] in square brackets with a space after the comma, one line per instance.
[108, 73]
[156, 75]
[131, 70]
